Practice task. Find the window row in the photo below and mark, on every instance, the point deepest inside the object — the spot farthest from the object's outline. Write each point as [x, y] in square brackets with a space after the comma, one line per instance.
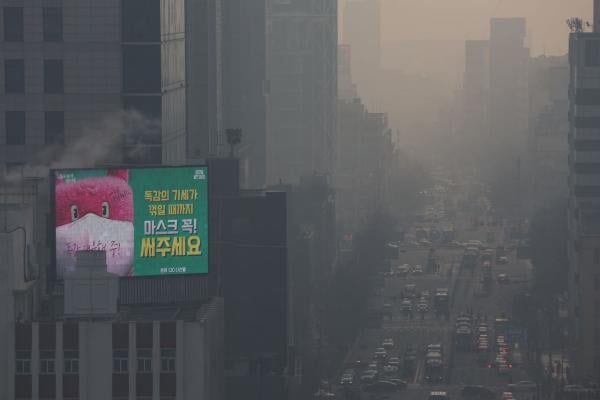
[14, 76]
[54, 127]
[14, 25]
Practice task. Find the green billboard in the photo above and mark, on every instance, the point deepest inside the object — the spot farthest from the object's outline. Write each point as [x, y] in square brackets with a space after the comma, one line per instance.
[148, 221]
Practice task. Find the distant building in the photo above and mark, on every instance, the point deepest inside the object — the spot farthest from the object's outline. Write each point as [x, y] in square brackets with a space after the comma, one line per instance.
[246, 85]
[549, 125]
[362, 31]
[475, 92]
[303, 89]
[364, 147]
[508, 144]
[346, 87]
[584, 200]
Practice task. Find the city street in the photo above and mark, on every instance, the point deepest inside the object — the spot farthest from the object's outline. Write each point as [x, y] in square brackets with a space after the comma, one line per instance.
[417, 330]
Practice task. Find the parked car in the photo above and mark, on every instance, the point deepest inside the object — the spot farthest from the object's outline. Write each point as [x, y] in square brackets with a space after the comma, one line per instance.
[380, 353]
[388, 343]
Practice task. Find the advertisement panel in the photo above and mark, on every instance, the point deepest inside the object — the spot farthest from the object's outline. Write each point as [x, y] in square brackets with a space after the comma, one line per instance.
[149, 221]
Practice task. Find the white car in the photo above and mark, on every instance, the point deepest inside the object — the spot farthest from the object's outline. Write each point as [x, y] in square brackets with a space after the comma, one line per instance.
[507, 396]
[380, 353]
[388, 343]
[422, 307]
[394, 361]
[418, 270]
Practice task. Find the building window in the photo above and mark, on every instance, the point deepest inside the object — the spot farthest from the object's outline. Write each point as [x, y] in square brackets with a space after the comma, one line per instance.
[167, 360]
[23, 362]
[47, 362]
[587, 122]
[14, 122]
[587, 145]
[71, 362]
[140, 21]
[54, 125]
[53, 76]
[142, 68]
[13, 24]
[53, 24]
[144, 360]
[14, 76]
[120, 361]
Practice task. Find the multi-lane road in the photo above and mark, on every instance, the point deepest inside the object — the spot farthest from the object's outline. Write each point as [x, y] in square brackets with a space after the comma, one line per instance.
[417, 330]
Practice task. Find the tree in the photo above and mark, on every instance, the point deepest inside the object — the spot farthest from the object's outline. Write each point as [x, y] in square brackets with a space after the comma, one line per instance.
[234, 137]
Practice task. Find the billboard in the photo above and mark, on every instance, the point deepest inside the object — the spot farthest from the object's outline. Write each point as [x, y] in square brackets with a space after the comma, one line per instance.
[149, 221]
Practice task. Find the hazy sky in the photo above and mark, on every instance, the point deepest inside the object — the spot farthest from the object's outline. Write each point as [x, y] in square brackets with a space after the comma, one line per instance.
[469, 19]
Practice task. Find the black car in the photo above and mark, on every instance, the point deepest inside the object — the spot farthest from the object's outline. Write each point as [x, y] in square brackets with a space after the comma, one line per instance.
[477, 392]
[381, 387]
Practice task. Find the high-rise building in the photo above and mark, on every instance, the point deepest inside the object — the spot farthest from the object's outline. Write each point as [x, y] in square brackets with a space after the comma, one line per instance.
[362, 31]
[475, 92]
[245, 85]
[75, 72]
[584, 199]
[203, 76]
[346, 87]
[303, 89]
[508, 142]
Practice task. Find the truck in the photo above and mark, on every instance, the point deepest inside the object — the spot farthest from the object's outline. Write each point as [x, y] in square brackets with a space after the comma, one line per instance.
[464, 337]
[470, 257]
[441, 301]
[434, 367]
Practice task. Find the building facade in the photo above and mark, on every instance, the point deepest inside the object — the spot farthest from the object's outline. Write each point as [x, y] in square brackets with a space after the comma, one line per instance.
[245, 84]
[111, 71]
[508, 144]
[302, 89]
[584, 200]
[362, 31]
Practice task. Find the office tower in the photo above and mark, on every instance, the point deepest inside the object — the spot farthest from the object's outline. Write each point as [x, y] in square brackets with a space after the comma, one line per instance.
[245, 85]
[362, 31]
[303, 89]
[584, 199]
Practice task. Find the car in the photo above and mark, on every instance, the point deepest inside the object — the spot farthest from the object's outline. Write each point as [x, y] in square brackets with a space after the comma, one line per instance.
[380, 353]
[410, 289]
[403, 270]
[423, 307]
[434, 347]
[507, 396]
[504, 368]
[388, 343]
[425, 294]
[394, 361]
[424, 242]
[417, 270]
[399, 382]
[406, 305]
[503, 278]
[390, 370]
[346, 380]
[381, 387]
[368, 377]
[477, 392]
[324, 394]
[373, 366]
[438, 395]
[502, 260]
[522, 386]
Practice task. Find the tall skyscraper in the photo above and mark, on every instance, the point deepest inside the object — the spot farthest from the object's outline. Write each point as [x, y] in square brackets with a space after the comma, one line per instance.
[476, 82]
[508, 143]
[245, 85]
[303, 89]
[203, 67]
[584, 199]
[362, 31]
